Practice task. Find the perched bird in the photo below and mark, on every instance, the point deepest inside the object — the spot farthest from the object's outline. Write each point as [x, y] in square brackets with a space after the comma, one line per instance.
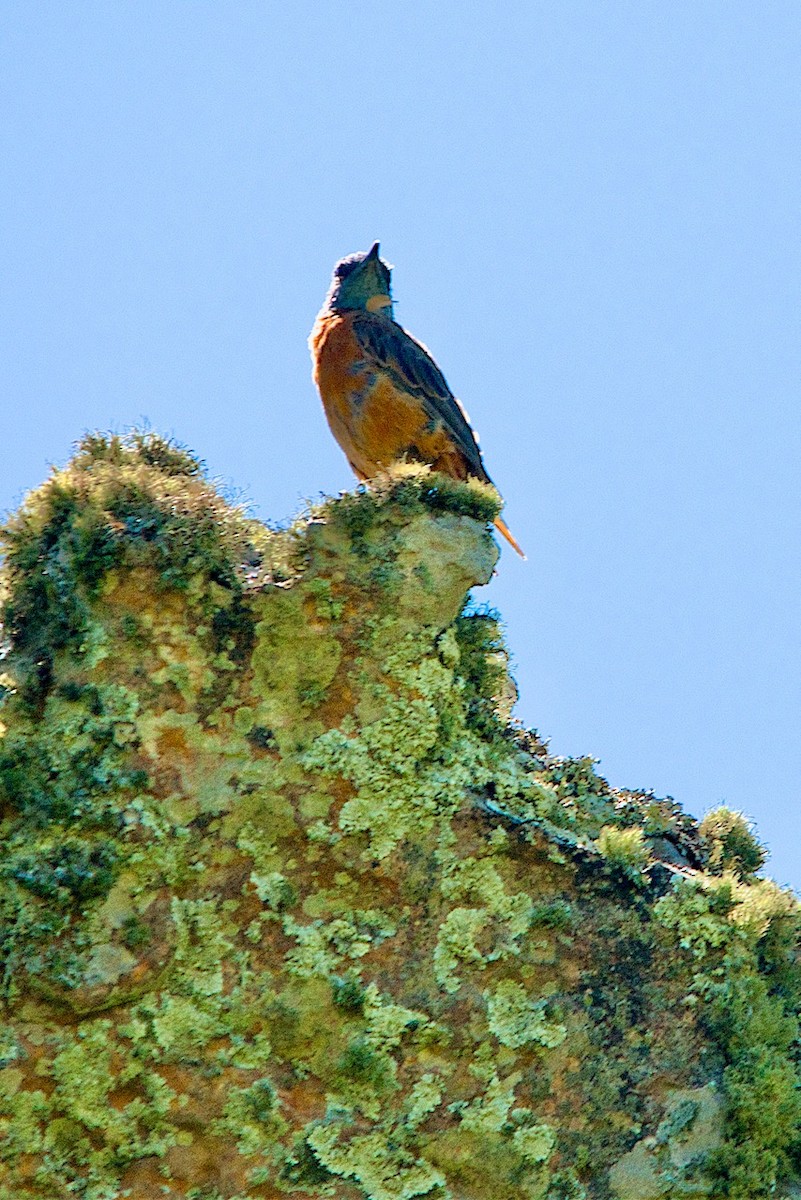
[385, 398]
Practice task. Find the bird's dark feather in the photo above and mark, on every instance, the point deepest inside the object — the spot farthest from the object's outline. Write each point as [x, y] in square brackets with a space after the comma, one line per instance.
[413, 370]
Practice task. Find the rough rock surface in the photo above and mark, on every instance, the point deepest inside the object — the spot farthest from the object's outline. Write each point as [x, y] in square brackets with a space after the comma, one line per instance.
[290, 907]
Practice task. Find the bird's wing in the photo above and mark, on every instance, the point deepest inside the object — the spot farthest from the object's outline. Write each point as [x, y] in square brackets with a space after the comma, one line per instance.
[413, 370]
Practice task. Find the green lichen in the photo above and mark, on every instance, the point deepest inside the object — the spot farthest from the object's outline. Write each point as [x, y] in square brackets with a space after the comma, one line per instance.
[252, 1118]
[534, 1143]
[488, 1112]
[395, 793]
[349, 994]
[516, 1020]
[424, 1098]
[294, 662]
[483, 934]
[84, 1140]
[383, 1170]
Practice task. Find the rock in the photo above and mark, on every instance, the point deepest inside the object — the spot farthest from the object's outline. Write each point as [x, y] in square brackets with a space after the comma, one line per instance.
[289, 907]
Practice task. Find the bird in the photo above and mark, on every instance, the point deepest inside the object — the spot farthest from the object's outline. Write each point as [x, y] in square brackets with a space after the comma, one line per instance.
[385, 398]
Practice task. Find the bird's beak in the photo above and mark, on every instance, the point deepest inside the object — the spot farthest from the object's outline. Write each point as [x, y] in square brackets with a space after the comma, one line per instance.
[374, 252]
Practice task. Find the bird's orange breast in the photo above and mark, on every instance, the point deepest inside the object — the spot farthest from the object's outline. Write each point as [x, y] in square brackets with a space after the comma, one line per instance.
[375, 422]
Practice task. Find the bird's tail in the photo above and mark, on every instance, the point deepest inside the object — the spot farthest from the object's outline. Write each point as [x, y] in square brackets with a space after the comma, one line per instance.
[503, 529]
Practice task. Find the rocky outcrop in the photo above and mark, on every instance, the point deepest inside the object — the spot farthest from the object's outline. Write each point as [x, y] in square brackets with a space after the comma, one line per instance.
[289, 906]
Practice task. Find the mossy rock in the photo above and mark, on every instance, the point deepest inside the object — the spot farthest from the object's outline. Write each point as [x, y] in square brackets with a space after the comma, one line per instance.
[289, 906]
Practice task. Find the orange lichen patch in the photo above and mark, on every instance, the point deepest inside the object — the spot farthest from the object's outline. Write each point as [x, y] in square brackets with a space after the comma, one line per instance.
[171, 742]
[338, 702]
[36, 1079]
[25, 1169]
[126, 589]
[146, 1177]
[303, 1102]
[339, 790]
[187, 1162]
[121, 1097]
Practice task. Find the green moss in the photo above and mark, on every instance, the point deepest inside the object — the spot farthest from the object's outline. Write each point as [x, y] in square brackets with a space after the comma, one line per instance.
[234, 631]
[71, 767]
[733, 846]
[140, 445]
[326, 604]
[483, 668]
[408, 489]
[135, 933]
[261, 1099]
[718, 923]
[761, 1085]
[134, 501]
[553, 914]
[68, 873]
[466, 499]
[576, 779]
[362, 1063]
[565, 1185]
[624, 848]
[779, 957]
[349, 994]
[303, 1171]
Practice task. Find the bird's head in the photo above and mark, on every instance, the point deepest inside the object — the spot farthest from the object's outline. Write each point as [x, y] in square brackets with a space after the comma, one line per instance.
[361, 281]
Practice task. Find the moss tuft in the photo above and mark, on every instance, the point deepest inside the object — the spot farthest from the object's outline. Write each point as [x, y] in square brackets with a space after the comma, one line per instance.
[362, 1063]
[138, 501]
[733, 844]
[407, 490]
[140, 445]
[624, 848]
[348, 994]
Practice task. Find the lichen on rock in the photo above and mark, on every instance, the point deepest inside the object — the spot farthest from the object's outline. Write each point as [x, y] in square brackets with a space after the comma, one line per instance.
[288, 905]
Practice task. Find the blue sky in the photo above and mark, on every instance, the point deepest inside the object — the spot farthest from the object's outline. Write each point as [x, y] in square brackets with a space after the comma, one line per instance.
[593, 211]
